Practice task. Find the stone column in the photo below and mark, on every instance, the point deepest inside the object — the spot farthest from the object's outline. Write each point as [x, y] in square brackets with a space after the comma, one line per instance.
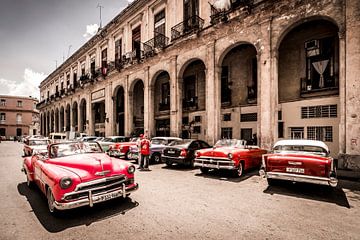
[212, 96]
[342, 93]
[128, 97]
[148, 104]
[266, 99]
[175, 100]
[109, 110]
[89, 115]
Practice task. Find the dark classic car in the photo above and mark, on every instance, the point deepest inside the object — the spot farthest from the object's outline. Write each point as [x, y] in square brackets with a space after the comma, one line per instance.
[156, 148]
[230, 154]
[182, 151]
[34, 144]
[299, 161]
[76, 174]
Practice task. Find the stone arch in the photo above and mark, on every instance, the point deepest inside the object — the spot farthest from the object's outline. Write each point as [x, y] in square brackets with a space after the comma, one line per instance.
[186, 64]
[229, 48]
[119, 110]
[82, 115]
[57, 127]
[134, 82]
[67, 118]
[136, 95]
[75, 116]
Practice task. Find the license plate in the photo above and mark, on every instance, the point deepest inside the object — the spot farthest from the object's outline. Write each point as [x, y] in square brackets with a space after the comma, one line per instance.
[171, 151]
[107, 197]
[295, 170]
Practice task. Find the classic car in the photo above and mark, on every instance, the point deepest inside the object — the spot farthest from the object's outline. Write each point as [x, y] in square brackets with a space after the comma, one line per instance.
[182, 151]
[32, 144]
[156, 147]
[106, 142]
[75, 174]
[299, 161]
[230, 154]
[122, 149]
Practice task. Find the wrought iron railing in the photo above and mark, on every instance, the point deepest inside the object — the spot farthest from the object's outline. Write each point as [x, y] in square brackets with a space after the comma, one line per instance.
[308, 86]
[190, 25]
[189, 103]
[159, 41]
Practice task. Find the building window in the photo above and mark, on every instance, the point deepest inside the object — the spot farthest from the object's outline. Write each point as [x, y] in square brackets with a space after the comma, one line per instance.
[92, 67]
[75, 79]
[104, 58]
[2, 132]
[2, 117]
[226, 133]
[136, 41]
[18, 118]
[185, 120]
[320, 64]
[165, 93]
[159, 29]
[83, 69]
[19, 104]
[296, 133]
[197, 119]
[324, 134]
[246, 134]
[227, 117]
[252, 84]
[118, 52]
[2, 102]
[248, 117]
[197, 129]
[68, 79]
[280, 129]
[225, 86]
[191, 8]
[325, 111]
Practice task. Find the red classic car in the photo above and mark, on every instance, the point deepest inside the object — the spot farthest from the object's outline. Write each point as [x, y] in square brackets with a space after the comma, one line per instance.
[299, 161]
[122, 149]
[76, 174]
[230, 154]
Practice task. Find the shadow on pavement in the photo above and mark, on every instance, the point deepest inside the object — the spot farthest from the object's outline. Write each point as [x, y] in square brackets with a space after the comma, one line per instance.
[226, 175]
[178, 167]
[75, 217]
[309, 191]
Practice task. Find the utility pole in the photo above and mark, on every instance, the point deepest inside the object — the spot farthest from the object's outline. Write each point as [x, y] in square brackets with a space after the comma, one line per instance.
[100, 7]
[69, 51]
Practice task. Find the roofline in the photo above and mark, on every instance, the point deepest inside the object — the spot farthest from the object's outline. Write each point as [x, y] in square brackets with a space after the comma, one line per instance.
[19, 97]
[93, 40]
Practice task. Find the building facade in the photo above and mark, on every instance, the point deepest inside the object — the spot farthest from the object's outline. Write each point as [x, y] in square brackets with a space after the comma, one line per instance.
[18, 116]
[250, 69]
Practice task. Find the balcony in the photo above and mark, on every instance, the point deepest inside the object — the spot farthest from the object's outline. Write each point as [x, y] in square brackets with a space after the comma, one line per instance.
[190, 103]
[309, 88]
[190, 25]
[2, 121]
[164, 106]
[222, 15]
[158, 42]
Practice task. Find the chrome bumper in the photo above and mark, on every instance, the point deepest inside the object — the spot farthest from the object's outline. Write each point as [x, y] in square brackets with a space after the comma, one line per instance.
[214, 164]
[96, 198]
[331, 181]
[116, 153]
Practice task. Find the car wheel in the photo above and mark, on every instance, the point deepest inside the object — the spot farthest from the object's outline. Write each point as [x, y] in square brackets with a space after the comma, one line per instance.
[271, 182]
[156, 158]
[127, 155]
[191, 164]
[25, 154]
[29, 183]
[168, 163]
[239, 171]
[51, 202]
[204, 170]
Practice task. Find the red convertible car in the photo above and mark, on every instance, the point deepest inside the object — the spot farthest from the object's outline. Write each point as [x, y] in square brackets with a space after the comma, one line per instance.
[299, 161]
[122, 149]
[230, 154]
[76, 174]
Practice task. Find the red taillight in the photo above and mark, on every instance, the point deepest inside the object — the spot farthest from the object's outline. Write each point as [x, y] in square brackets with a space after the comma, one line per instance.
[183, 153]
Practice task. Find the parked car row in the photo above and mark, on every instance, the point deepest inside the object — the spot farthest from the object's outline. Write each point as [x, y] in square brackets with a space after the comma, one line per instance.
[74, 174]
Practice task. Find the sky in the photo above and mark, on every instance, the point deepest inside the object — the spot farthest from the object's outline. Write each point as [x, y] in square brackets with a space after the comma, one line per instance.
[35, 35]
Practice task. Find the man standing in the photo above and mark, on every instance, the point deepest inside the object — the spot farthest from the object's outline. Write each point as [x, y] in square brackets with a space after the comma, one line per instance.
[145, 152]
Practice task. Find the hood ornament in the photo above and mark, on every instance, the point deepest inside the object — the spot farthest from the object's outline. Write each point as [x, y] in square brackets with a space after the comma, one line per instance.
[103, 172]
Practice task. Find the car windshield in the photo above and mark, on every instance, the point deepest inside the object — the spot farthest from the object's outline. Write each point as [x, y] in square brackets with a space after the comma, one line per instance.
[38, 142]
[158, 141]
[301, 149]
[180, 142]
[68, 149]
[231, 143]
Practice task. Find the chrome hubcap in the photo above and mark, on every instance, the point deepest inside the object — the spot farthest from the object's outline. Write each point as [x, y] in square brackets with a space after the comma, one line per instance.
[50, 198]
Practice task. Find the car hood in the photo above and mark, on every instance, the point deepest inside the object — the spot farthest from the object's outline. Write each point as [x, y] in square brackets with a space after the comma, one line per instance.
[90, 166]
[217, 152]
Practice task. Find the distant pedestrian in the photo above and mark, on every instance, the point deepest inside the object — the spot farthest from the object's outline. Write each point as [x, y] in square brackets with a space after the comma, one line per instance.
[138, 144]
[145, 153]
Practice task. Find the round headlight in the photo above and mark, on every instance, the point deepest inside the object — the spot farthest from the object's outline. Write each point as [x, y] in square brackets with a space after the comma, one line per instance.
[65, 182]
[230, 155]
[131, 169]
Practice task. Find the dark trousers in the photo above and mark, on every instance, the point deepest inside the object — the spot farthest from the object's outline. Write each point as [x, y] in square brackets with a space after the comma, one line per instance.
[144, 161]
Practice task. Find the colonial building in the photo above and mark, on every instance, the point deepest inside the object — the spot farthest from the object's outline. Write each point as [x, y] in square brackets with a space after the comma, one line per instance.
[18, 116]
[209, 69]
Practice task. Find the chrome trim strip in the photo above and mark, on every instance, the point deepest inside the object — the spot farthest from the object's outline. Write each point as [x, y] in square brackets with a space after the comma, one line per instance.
[217, 166]
[209, 157]
[101, 180]
[302, 178]
[123, 191]
[179, 157]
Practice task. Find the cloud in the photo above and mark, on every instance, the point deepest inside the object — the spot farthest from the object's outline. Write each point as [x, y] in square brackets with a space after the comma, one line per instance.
[28, 87]
[91, 30]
